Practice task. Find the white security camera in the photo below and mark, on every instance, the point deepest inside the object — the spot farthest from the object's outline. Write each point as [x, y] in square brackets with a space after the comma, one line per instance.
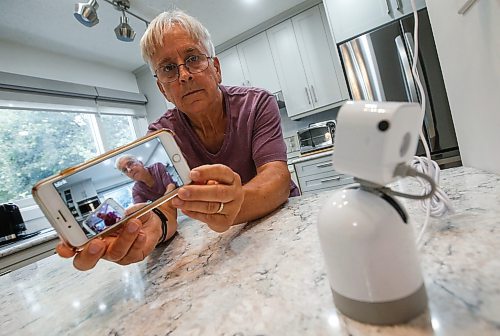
[373, 138]
[368, 245]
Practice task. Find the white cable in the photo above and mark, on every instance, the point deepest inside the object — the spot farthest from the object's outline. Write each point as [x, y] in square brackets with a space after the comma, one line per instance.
[439, 203]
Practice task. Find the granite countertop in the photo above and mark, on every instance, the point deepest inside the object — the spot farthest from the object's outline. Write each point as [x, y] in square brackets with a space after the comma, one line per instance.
[44, 236]
[266, 278]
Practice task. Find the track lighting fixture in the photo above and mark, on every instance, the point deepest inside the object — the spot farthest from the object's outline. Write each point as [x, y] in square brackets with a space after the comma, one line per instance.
[123, 31]
[86, 14]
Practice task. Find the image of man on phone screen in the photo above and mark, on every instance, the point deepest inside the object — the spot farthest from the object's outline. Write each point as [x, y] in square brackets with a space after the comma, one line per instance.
[152, 182]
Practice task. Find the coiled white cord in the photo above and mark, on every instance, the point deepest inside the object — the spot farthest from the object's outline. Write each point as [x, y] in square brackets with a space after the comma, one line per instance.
[439, 204]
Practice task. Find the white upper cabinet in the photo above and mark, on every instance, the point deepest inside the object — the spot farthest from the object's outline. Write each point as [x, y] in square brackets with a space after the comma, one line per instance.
[355, 17]
[290, 69]
[232, 72]
[83, 190]
[257, 63]
[319, 62]
[308, 70]
[250, 63]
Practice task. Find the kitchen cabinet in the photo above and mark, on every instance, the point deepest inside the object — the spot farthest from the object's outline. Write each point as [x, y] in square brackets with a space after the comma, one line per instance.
[83, 190]
[293, 175]
[308, 67]
[232, 72]
[258, 64]
[317, 174]
[26, 256]
[250, 63]
[354, 17]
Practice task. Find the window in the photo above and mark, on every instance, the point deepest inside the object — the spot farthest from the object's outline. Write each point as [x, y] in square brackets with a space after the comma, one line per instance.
[35, 144]
[122, 195]
[116, 130]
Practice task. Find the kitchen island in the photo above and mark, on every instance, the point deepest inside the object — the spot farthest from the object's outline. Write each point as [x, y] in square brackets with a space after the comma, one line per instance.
[266, 278]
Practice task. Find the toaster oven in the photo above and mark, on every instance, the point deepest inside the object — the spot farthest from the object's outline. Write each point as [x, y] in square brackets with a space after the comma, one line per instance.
[317, 136]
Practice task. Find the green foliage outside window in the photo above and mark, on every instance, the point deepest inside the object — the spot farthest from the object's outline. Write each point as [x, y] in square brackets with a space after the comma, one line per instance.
[37, 144]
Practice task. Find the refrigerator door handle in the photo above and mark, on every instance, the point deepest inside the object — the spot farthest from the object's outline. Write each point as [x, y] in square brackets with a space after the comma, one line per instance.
[355, 77]
[411, 89]
[428, 116]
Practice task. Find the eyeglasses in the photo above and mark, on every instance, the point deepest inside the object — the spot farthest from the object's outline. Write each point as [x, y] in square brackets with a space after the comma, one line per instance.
[126, 168]
[168, 73]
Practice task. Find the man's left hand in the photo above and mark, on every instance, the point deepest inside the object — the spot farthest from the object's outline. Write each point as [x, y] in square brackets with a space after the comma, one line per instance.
[215, 197]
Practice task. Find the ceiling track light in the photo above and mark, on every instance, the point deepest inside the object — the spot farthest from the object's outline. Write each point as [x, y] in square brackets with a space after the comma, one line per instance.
[86, 14]
[123, 31]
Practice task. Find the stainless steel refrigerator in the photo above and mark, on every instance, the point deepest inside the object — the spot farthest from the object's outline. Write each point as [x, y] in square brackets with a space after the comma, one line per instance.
[378, 68]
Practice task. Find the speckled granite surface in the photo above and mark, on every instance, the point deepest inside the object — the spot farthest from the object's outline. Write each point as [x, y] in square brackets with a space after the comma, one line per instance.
[265, 278]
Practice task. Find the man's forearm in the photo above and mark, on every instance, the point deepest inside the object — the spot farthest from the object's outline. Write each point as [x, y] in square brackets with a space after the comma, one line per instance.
[265, 192]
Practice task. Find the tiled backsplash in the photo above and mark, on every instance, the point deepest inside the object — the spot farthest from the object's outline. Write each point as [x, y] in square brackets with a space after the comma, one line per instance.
[292, 144]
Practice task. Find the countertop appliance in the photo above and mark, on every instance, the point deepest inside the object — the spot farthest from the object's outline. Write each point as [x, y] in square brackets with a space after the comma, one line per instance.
[378, 68]
[87, 206]
[11, 222]
[317, 136]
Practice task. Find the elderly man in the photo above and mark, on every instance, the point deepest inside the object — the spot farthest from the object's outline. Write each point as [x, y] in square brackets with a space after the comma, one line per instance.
[152, 182]
[230, 136]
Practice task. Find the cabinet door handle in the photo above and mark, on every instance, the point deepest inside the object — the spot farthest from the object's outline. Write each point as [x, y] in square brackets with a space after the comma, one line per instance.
[323, 165]
[388, 6]
[399, 6]
[466, 6]
[314, 94]
[307, 94]
[335, 178]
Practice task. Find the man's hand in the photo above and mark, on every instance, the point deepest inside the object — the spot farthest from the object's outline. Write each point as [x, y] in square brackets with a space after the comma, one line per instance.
[215, 197]
[132, 243]
[170, 212]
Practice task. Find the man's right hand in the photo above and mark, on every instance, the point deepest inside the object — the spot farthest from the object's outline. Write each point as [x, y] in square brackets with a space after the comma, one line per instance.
[132, 243]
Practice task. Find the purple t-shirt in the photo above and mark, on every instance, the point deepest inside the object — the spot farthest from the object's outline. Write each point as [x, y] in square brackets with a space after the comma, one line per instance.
[252, 137]
[142, 193]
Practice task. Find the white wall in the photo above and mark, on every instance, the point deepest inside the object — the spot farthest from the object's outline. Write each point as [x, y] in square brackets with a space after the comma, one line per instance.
[157, 104]
[25, 60]
[469, 52]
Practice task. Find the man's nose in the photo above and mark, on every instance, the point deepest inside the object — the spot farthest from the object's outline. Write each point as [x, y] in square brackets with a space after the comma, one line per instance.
[184, 73]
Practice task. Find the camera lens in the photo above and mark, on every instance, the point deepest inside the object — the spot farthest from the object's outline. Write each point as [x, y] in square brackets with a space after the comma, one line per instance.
[383, 125]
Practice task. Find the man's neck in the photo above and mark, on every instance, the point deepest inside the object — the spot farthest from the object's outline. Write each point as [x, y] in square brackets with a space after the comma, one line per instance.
[211, 124]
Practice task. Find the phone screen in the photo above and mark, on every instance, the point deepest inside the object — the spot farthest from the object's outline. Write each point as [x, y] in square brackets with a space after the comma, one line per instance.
[104, 190]
[106, 215]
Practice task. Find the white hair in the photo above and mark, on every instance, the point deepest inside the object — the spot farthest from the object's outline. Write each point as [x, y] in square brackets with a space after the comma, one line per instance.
[128, 157]
[152, 39]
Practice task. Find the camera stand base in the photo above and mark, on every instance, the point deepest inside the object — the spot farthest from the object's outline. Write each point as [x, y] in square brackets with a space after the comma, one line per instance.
[383, 313]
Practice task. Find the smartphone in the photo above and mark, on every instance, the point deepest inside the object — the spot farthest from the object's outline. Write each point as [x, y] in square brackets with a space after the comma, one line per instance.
[107, 214]
[73, 199]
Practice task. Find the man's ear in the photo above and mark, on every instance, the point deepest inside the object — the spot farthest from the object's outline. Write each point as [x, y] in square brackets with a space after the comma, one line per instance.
[162, 90]
[218, 72]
